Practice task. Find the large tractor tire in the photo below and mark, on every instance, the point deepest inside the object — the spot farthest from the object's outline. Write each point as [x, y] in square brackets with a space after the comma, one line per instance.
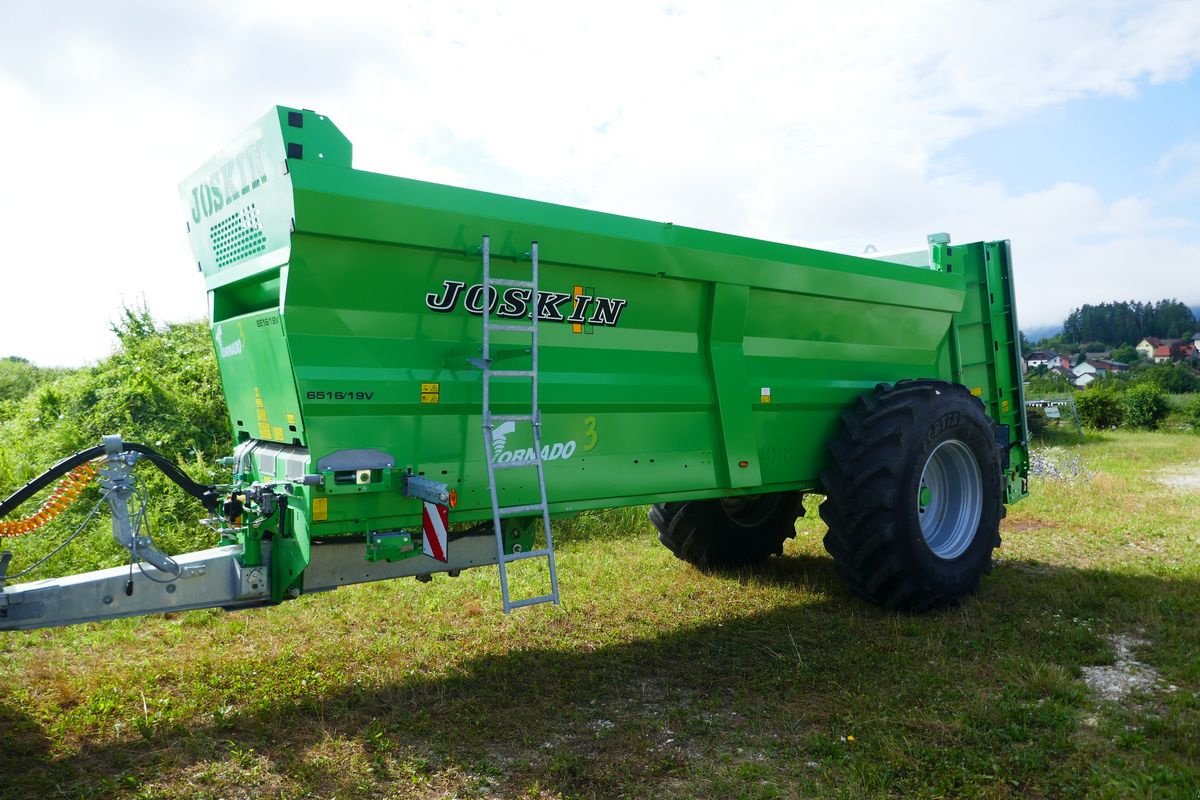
[913, 495]
[728, 532]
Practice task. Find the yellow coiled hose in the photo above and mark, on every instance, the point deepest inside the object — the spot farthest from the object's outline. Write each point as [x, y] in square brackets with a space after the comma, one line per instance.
[65, 492]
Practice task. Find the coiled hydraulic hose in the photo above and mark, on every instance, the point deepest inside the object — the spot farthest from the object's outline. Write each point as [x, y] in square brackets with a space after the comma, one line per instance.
[74, 473]
[66, 492]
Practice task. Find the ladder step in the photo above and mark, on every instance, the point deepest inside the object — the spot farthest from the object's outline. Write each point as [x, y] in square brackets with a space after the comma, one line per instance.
[542, 553]
[507, 282]
[533, 601]
[509, 511]
[510, 373]
[512, 418]
[499, 326]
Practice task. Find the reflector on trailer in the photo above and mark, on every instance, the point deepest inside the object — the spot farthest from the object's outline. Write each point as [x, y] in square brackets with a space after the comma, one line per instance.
[433, 524]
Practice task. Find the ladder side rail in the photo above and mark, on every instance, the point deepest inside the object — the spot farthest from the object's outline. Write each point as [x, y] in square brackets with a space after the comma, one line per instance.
[533, 349]
[537, 431]
[488, 442]
[546, 527]
[487, 355]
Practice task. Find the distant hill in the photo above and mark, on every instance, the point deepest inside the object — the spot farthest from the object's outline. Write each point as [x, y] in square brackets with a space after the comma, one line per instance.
[1036, 334]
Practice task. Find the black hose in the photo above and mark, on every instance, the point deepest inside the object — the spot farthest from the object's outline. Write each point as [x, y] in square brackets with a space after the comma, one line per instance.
[10, 503]
[207, 495]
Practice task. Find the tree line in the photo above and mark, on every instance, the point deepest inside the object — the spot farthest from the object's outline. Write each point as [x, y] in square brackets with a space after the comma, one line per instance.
[1127, 322]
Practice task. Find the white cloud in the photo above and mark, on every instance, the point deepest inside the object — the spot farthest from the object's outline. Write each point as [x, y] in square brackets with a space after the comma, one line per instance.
[817, 124]
[1180, 164]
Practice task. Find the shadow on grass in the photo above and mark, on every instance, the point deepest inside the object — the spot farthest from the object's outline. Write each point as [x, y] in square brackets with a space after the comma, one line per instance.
[24, 741]
[626, 716]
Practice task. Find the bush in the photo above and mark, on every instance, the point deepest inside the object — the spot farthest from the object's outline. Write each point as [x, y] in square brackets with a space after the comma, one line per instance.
[1172, 378]
[1099, 407]
[1191, 412]
[159, 388]
[1047, 383]
[1035, 419]
[1126, 354]
[18, 378]
[1143, 405]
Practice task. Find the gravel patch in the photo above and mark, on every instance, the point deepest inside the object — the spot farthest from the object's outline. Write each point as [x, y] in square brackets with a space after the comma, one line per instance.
[1181, 478]
[1126, 676]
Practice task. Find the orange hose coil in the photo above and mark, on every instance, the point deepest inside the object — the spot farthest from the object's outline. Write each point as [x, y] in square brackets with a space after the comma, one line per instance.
[66, 491]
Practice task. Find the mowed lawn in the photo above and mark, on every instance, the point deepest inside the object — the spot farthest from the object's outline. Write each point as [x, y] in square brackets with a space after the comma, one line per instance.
[1075, 672]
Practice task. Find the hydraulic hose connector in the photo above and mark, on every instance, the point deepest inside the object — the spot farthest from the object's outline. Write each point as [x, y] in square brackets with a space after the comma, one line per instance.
[65, 492]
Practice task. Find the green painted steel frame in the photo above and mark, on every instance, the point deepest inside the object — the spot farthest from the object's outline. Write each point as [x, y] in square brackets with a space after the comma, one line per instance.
[676, 363]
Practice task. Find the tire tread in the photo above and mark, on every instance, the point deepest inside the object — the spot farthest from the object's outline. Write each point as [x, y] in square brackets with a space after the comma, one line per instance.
[862, 483]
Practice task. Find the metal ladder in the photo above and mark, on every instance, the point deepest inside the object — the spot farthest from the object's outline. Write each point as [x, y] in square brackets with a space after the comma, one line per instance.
[533, 418]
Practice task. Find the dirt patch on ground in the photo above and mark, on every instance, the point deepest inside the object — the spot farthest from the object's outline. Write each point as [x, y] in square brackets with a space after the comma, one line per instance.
[1128, 675]
[1187, 477]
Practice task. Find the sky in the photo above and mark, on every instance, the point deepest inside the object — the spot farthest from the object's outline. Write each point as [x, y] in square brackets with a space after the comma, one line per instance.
[1070, 128]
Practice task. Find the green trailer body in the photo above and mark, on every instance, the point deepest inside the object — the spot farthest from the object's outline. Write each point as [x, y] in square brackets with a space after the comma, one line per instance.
[380, 339]
[675, 363]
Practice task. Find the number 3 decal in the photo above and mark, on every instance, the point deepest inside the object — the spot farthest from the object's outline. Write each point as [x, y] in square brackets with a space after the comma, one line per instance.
[589, 431]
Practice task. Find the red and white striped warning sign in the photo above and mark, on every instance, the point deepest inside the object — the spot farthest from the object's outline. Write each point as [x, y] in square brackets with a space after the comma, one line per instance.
[433, 524]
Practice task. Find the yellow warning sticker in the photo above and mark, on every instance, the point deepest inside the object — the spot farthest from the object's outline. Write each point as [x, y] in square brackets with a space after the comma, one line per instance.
[977, 391]
[1003, 406]
[278, 431]
[764, 395]
[576, 293]
[291, 418]
[430, 388]
[264, 426]
[320, 509]
[430, 397]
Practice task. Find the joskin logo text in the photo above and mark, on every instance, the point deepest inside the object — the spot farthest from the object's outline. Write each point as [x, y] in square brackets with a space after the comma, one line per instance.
[236, 177]
[575, 308]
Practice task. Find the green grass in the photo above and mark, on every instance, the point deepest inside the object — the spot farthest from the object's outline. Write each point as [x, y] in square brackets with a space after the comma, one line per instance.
[656, 680]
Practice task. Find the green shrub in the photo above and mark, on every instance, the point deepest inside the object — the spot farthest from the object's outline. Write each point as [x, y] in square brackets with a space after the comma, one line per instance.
[1191, 412]
[1170, 378]
[1143, 405]
[1099, 407]
[18, 378]
[160, 388]
[1046, 383]
[1035, 418]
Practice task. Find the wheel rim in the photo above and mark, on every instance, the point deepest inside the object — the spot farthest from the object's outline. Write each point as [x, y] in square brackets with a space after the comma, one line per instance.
[751, 510]
[950, 499]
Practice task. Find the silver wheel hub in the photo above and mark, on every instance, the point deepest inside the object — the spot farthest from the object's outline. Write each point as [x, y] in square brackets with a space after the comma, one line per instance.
[750, 510]
[950, 499]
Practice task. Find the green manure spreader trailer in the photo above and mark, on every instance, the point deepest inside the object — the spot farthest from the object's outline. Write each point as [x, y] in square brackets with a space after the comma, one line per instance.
[420, 378]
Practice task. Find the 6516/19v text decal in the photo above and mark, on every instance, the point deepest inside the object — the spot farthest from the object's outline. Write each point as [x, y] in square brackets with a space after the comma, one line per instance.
[319, 395]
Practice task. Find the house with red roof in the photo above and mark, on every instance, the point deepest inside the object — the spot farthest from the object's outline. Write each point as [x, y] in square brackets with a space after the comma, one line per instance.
[1175, 350]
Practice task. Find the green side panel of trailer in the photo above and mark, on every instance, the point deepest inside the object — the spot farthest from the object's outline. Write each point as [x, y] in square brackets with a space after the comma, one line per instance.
[675, 363]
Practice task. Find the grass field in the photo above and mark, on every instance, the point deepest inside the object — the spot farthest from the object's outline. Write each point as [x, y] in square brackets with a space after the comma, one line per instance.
[656, 680]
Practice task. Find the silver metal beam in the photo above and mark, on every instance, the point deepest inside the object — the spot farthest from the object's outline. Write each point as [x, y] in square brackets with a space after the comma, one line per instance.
[211, 578]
